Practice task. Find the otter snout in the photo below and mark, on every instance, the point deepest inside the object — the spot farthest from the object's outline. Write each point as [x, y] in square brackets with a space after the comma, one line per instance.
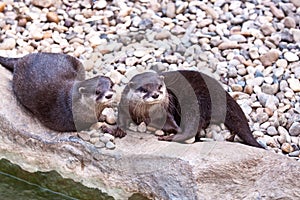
[107, 97]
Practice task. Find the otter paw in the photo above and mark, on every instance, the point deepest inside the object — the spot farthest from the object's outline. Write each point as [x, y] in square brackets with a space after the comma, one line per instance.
[105, 129]
[168, 138]
[119, 133]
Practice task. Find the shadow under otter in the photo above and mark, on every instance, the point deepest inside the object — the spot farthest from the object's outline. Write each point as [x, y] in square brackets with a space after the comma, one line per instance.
[53, 87]
[180, 102]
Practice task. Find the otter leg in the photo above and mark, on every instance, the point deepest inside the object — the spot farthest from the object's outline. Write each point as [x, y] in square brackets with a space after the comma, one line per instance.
[171, 126]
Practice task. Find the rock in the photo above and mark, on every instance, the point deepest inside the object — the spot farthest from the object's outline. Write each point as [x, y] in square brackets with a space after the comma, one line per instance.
[172, 59]
[131, 61]
[142, 127]
[291, 57]
[296, 3]
[272, 131]
[109, 114]
[253, 52]
[295, 153]
[2, 6]
[229, 45]
[294, 84]
[8, 44]
[159, 133]
[170, 12]
[267, 29]
[110, 145]
[282, 63]
[100, 144]
[96, 41]
[139, 53]
[52, 17]
[296, 34]
[289, 22]
[269, 58]
[42, 3]
[101, 4]
[295, 129]
[286, 148]
[277, 12]
[84, 135]
[164, 34]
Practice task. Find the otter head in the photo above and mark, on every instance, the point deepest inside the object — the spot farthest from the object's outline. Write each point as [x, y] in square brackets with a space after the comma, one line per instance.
[148, 88]
[98, 90]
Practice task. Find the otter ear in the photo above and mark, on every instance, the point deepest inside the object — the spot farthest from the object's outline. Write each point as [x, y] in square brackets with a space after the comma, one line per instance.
[81, 90]
[130, 84]
[162, 78]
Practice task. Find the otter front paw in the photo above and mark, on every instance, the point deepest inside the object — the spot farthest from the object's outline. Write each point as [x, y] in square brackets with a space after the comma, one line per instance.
[168, 138]
[119, 133]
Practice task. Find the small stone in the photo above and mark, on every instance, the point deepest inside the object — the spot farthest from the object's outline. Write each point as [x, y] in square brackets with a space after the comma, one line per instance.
[2, 6]
[139, 53]
[296, 34]
[257, 134]
[99, 144]
[267, 29]
[296, 3]
[248, 89]
[164, 34]
[276, 12]
[22, 22]
[101, 4]
[131, 61]
[271, 130]
[109, 137]
[269, 58]
[52, 17]
[109, 114]
[295, 154]
[253, 52]
[8, 44]
[289, 22]
[282, 63]
[84, 135]
[236, 88]
[171, 10]
[116, 77]
[110, 145]
[94, 140]
[172, 59]
[42, 3]
[295, 129]
[96, 41]
[229, 45]
[159, 133]
[294, 84]
[286, 148]
[291, 57]
[142, 127]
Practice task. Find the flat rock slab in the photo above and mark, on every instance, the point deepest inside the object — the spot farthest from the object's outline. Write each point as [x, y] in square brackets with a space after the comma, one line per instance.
[140, 163]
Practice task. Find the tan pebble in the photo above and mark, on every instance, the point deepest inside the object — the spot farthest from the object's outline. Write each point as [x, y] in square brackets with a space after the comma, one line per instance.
[84, 135]
[269, 111]
[93, 140]
[2, 6]
[236, 88]
[248, 89]
[286, 148]
[22, 22]
[99, 144]
[159, 133]
[52, 17]
[151, 129]
[47, 34]
[269, 58]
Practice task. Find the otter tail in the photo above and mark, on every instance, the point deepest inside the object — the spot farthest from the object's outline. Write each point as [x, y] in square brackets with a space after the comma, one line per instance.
[8, 63]
[237, 123]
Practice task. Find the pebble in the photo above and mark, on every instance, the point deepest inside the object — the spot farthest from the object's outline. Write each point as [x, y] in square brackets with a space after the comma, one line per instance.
[296, 34]
[267, 29]
[271, 130]
[101, 4]
[295, 154]
[286, 148]
[269, 58]
[159, 133]
[42, 3]
[142, 127]
[100, 144]
[164, 34]
[282, 63]
[110, 145]
[96, 41]
[229, 45]
[84, 135]
[2, 6]
[8, 44]
[109, 114]
[289, 22]
[277, 12]
[291, 57]
[52, 17]
[294, 84]
[171, 10]
[295, 129]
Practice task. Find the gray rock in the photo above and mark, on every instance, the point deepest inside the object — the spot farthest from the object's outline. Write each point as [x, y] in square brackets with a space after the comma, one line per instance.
[272, 131]
[295, 129]
[42, 3]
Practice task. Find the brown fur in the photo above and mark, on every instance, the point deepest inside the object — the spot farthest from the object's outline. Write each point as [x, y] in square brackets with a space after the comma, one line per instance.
[194, 100]
[53, 88]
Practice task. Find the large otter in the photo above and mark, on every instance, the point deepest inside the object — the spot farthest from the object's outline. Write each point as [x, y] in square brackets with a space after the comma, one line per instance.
[53, 88]
[181, 102]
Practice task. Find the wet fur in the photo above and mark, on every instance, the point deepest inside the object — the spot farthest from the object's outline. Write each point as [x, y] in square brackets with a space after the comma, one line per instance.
[48, 84]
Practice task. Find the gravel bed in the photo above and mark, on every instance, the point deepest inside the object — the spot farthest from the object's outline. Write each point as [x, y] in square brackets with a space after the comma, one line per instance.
[251, 47]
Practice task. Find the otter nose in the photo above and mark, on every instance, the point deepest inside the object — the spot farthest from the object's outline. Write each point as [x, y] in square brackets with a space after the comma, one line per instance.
[108, 96]
[155, 96]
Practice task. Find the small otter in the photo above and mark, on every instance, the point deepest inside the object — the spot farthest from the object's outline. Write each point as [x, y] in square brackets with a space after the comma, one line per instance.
[181, 102]
[53, 88]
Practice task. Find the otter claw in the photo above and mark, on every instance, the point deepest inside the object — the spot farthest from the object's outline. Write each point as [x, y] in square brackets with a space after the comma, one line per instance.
[119, 133]
[168, 138]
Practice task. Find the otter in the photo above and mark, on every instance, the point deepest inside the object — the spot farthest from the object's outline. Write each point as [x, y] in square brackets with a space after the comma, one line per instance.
[53, 88]
[181, 102]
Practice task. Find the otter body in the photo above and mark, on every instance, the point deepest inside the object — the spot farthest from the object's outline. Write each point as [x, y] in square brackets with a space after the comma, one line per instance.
[52, 87]
[180, 102]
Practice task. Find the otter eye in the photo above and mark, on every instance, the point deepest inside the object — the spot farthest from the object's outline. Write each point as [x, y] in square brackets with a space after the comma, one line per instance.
[143, 90]
[97, 92]
[159, 87]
